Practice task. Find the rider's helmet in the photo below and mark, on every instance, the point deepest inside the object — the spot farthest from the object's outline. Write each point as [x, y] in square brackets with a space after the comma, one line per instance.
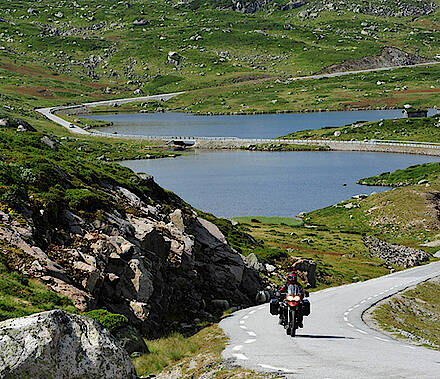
[291, 278]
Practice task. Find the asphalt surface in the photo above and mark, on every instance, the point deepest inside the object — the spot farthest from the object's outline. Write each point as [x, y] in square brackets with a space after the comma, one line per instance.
[49, 112]
[335, 342]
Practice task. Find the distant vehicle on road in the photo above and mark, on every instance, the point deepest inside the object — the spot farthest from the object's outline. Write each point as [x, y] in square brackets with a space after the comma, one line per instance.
[71, 125]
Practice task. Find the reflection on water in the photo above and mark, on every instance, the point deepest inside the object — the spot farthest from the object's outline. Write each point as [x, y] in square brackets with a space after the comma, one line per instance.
[243, 183]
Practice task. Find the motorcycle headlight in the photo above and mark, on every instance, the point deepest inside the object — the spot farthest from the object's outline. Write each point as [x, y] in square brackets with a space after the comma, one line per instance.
[290, 298]
[296, 298]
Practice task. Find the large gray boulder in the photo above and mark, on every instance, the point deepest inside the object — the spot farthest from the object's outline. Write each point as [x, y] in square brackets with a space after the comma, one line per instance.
[57, 344]
[253, 261]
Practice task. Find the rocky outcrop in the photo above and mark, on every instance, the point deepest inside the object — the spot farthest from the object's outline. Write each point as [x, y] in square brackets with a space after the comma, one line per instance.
[57, 344]
[381, 8]
[250, 6]
[395, 254]
[306, 269]
[144, 261]
[389, 57]
[254, 262]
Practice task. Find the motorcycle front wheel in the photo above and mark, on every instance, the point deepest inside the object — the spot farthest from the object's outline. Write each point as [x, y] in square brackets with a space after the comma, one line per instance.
[292, 323]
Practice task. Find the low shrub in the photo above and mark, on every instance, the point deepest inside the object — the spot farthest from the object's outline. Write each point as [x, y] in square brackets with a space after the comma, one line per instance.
[108, 320]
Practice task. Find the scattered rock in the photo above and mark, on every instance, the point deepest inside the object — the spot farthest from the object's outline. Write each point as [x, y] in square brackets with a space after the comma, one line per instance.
[395, 254]
[254, 262]
[24, 126]
[50, 141]
[140, 22]
[174, 58]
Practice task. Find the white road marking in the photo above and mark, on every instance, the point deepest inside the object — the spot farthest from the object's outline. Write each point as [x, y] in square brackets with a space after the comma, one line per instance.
[345, 318]
[361, 331]
[241, 321]
[252, 334]
[363, 301]
[350, 309]
[357, 305]
[381, 339]
[250, 340]
[410, 347]
[237, 348]
[369, 298]
[240, 356]
[245, 317]
[243, 327]
[350, 325]
[251, 312]
[345, 313]
[376, 295]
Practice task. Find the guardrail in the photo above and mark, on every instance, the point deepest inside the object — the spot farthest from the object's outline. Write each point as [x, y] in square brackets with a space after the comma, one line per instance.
[429, 145]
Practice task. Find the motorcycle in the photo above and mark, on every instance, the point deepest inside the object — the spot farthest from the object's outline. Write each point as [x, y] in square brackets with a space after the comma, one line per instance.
[291, 308]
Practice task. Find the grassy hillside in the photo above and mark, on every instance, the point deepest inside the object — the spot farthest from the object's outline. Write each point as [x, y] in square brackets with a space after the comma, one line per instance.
[425, 129]
[413, 314]
[59, 52]
[425, 174]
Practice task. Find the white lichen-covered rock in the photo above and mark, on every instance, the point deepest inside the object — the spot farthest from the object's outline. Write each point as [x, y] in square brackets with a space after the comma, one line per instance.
[57, 344]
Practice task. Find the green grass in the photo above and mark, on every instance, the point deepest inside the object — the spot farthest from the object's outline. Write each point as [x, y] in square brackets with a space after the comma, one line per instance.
[269, 220]
[341, 257]
[167, 351]
[109, 320]
[20, 296]
[415, 312]
[415, 129]
[194, 356]
[411, 175]
[231, 65]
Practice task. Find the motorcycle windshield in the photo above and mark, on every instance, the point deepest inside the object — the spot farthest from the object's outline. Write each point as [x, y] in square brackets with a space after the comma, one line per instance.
[293, 290]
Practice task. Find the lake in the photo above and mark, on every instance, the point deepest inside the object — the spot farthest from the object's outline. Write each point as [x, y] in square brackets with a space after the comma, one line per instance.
[246, 183]
[252, 126]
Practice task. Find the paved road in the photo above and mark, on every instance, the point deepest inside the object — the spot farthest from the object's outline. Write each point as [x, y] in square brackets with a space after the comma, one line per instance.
[335, 342]
[49, 112]
[337, 74]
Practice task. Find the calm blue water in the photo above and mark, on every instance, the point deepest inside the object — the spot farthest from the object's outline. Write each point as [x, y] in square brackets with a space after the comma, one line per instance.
[255, 126]
[244, 183]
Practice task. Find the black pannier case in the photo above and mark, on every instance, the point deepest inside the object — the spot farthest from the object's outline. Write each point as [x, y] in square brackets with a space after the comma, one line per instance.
[274, 305]
[306, 307]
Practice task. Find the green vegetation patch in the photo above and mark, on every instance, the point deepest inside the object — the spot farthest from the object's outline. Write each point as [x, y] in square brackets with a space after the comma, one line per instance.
[269, 220]
[424, 173]
[108, 320]
[20, 296]
[413, 314]
[426, 129]
[341, 257]
[190, 357]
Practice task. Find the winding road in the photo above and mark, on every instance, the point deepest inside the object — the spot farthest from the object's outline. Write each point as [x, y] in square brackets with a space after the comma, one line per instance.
[335, 342]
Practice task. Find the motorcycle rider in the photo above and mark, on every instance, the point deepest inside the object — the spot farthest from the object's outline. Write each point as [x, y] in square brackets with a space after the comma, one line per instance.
[292, 279]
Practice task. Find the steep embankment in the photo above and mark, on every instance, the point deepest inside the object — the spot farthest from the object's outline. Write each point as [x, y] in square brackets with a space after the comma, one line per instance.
[108, 238]
[412, 315]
